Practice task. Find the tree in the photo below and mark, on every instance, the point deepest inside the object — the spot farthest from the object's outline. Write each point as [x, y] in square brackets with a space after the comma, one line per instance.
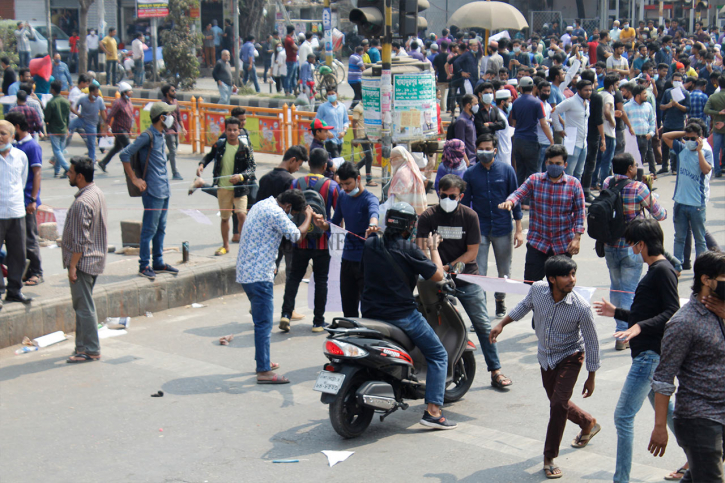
[82, 28]
[180, 44]
[250, 16]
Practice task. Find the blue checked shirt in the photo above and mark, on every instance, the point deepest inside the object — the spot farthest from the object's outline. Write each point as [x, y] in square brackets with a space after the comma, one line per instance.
[642, 117]
[698, 99]
[635, 199]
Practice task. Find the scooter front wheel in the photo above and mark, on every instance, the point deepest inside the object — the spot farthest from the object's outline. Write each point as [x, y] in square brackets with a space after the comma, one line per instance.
[462, 379]
[349, 419]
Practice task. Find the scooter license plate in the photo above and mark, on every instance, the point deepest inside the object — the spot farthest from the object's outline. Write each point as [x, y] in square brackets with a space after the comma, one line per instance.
[329, 382]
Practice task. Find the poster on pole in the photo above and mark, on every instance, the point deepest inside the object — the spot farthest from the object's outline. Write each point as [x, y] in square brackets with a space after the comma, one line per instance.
[152, 8]
[371, 107]
[414, 106]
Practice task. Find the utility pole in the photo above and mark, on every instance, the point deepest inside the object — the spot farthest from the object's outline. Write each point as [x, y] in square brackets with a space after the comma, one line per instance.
[154, 45]
[235, 49]
[386, 91]
[48, 27]
[327, 28]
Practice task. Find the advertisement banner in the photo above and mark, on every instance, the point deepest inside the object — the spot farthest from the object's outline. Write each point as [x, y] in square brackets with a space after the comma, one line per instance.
[414, 106]
[371, 106]
[152, 8]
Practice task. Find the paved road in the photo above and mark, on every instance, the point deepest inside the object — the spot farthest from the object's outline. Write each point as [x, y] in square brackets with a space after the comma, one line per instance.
[215, 425]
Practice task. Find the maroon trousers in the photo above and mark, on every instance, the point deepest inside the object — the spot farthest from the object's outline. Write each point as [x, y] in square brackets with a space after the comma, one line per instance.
[559, 384]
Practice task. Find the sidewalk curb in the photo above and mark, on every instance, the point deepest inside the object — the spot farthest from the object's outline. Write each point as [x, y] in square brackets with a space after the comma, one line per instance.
[129, 298]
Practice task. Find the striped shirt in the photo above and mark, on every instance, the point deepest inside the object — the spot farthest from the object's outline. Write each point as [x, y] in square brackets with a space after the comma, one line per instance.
[557, 211]
[635, 198]
[642, 118]
[122, 114]
[13, 176]
[563, 328]
[35, 125]
[698, 99]
[85, 231]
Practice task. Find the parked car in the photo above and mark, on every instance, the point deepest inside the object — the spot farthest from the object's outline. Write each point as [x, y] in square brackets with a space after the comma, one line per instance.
[39, 45]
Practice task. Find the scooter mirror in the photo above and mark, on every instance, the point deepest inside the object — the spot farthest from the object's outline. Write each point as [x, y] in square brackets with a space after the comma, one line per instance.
[457, 268]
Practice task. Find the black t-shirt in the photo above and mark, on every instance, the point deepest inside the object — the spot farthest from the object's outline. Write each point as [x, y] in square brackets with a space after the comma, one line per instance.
[656, 300]
[596, 114]
[273, 183]
[618, 97]
[228, 41]
[458, 230]
[386, 295]
[439, 62]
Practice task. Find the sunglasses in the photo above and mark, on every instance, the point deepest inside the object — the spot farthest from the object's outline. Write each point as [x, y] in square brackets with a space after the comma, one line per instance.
[691, 139]
[450, 197]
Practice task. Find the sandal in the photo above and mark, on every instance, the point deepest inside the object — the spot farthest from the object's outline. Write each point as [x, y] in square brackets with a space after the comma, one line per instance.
[549, 472]
[79, 358]
[673, 476]
[277, 379]
[220, 252]
[497, 381]
[582, 440]
[34, 280]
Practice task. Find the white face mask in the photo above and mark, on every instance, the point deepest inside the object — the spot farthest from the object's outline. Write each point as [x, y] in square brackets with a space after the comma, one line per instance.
[169, 121]
[677, 84]
[448, 205]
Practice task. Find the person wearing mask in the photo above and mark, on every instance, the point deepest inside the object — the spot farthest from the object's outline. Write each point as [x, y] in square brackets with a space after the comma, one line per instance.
[279, 67]
[503, 138]
[518, 59]
[334, 113]
[358, 209]
[313, 248]
[121, 119]
[250, 70]
[137, 47]
[453, 161]
[556, 220]
[488, 184]
[577, 111]
[407, 183]
[222, 75]
[57, 112]
[595, 135]
[155, 191]
[643, 121]
[488, 119]
[566, 332]
[61, 72]
[544, 90]
[92, 45]
[110, 48]
[464, 128]
[88, 109]
[291, 48]
[715, 108]
[674, 113]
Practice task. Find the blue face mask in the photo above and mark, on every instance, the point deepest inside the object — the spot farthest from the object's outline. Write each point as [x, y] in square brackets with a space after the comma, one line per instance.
[691, 145]
[354, 192]
[332, 98]
[4, 147]
[290, 216]
[555, 170]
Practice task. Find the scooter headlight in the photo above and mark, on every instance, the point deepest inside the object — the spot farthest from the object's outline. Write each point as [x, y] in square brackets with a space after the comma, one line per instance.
[343, 349]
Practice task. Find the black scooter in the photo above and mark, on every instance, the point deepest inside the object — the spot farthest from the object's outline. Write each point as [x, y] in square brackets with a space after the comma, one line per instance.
[374, 366]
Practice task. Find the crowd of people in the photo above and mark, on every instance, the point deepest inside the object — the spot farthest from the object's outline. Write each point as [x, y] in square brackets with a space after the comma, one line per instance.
[529, 133]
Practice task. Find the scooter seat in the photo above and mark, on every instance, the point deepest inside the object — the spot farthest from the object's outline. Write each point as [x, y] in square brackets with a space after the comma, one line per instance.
[388, 330]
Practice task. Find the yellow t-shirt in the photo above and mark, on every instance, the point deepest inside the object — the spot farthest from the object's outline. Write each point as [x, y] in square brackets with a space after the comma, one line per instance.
[627, 36]
[228, 166]
[111, 47]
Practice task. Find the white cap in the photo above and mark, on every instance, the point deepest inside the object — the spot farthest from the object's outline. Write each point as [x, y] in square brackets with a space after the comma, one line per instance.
[513, 82]
[503, 94]
[123, 87]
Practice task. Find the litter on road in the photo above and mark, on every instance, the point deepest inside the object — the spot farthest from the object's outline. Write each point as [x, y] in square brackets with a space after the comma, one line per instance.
[335, 457]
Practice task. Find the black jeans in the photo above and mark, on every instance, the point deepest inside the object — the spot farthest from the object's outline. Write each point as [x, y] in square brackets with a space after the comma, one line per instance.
[111, 72]
[285, 251]
[593, 143]
[357, 89]
[646, 152]
[32, 248]
[320, 268]
[702, 441]
[333, 149]
[351, 287]
[12, 233]
[93, 60]
[535, 260]
[121, 141]
[526, 156]
[367, 161]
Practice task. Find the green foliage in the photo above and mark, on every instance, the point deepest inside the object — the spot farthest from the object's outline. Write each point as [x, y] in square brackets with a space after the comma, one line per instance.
[182, 66]
[7, 42]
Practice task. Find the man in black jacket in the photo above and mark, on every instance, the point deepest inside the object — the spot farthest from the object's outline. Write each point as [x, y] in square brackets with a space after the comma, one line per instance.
[233, 173]
[8, 75]
[487, 120]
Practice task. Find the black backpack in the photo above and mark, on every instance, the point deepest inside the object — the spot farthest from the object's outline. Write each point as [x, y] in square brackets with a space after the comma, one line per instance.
[451, 131]
[316, 201]
[605, 218]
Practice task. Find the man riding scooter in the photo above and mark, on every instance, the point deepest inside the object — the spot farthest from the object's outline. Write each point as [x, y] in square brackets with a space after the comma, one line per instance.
[391, 266]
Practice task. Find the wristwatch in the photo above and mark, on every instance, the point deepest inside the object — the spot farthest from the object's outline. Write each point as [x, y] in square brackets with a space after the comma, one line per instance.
[33, 200]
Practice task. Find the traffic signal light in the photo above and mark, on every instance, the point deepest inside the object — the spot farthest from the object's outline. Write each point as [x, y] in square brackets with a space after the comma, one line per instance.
[410, 23]
[369, 16]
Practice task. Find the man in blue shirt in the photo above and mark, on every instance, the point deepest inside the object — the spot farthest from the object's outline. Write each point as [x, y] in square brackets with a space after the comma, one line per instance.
[334, 113]
[692, 188]
[60, 71]
[218, 34]
[154, 188]
[488, 184]
[465, 128]
[358, 209]
[374, 52]
[250, 71]
[674, 114]
[355, 69]
[90, 107]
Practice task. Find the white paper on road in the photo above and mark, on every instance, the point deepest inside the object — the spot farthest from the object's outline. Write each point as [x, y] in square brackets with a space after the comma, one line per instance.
[50, 339]
[197, 216]
[104, 332]
[336, 244]
[334, 457]
[630, 146]
[504, 285]
[59, 220]
[106, 142]
[570, 139]
[677, 95]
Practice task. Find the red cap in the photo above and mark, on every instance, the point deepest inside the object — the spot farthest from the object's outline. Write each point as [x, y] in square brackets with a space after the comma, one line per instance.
[319, 124]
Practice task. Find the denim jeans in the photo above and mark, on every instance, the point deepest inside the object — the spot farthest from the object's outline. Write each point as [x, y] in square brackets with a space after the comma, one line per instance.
[23, 58]
[702, 440]
[576, 162]
[290, 80]
[225, 93]
[526, 154]
[89, 137]
[542, 159]
[138, 72]
[261, 297]
[687, 216]
[111, 72]
[719, 142]
[251, 74]
[637, 387]
[473, 300]
[153, 228]
[57, 142]
[503, 248]
[625, 270]
[604, 161]
[421, 333]
[73, 64]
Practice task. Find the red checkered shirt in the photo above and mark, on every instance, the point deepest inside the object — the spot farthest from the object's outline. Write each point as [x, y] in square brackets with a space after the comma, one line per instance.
[122, 114]
[635, 198]
[35, 125]
[557, 211]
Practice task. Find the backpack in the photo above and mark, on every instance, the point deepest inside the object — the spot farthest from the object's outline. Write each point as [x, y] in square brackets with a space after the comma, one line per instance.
[451, 131]
[316, 201]
[605, 218]
[139, 168]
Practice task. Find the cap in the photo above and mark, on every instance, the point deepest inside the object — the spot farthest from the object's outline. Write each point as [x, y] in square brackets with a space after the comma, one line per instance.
[365, 42]
[493, 43]
[433, 46]
[513, 82]
[679, 66]
[569, 28]
[318, 124]
[158, 108]
[473, 42]
[503, 94]
[123, 87]
[526, 81]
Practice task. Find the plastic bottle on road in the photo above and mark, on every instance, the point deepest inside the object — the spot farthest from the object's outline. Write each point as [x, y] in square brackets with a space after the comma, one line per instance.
[118, 322]
[25, 349]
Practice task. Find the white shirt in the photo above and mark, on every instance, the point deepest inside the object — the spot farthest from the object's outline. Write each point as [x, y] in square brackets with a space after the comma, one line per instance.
[577, 115]
[503, 154]
[279, 68]
[539, 131]
[400, 53]
[91, 42]
[608, 99]
[128, 65]
[13, 176]
[304, 51]
[137, 49]
[315, 43]
[73, 96]
[614, 33]
[566, 39]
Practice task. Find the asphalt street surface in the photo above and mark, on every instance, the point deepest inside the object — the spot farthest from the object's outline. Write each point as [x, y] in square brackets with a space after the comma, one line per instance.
[98, 422]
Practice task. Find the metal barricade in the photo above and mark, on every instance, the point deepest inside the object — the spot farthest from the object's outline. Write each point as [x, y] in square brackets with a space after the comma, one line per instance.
[537, 19]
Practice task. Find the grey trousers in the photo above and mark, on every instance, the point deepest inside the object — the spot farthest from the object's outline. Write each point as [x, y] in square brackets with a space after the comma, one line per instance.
[32, 248]
[86, 319]
[172, 142]
[12, 233]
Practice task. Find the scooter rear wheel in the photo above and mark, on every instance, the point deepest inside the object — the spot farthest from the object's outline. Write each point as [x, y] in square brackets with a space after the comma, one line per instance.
[460, 385]
[349, 419]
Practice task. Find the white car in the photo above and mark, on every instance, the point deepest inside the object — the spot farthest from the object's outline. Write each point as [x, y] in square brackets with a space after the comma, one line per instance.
[41, 42]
